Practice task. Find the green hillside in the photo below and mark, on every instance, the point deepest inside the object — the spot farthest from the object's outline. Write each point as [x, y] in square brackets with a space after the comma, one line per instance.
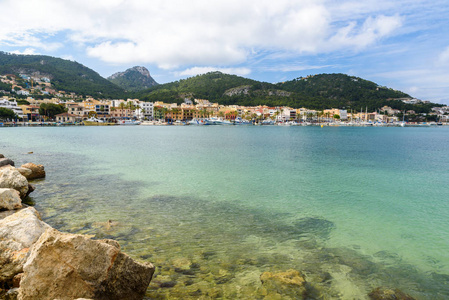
[315, 92]
[65, 75]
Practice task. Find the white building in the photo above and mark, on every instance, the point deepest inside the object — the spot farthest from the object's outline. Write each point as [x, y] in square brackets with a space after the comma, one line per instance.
[146, 110]
[287, 114]
[23, 92]
[343, 114]
[12, 105]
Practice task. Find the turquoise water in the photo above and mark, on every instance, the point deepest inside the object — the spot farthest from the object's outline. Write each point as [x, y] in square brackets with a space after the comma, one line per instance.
[360, 207]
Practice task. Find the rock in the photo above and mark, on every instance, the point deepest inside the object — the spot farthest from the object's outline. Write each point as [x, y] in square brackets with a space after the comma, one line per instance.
[70, 266]
[24, 171]
[382, 293]
[30, 189]
[10, 199]
[16, 280]
[37, 171]
[11, 294]
[2, 156]
[10, 178]
[18, 232]
[288, 284]
[6, 161]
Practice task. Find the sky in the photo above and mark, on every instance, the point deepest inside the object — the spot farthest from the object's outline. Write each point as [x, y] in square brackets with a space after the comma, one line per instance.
[402, 44]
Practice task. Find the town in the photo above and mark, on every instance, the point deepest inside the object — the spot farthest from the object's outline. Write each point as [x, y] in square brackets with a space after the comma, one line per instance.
[33, 101]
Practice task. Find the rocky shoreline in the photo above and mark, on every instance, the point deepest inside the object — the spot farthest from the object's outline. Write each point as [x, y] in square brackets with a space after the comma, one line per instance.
[40, 262]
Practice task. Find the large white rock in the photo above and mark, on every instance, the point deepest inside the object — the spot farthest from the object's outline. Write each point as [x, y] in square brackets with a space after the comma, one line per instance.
[18, 232]
[10, 199]
[25, 172]
[71, 266]
[10, 178]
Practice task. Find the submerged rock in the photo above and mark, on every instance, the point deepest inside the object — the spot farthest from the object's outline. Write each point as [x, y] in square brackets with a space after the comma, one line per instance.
[10, 199]
[316, 226]
[12, 179]
[382, 293]
[6, 161]
[290, 284]
[70, 266]
[18, 232]
[37, 171]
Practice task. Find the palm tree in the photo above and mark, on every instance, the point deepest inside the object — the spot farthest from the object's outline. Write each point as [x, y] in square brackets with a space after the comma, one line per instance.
[122, 108]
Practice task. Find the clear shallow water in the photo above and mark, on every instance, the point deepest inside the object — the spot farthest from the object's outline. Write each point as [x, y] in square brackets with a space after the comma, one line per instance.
[359, 207]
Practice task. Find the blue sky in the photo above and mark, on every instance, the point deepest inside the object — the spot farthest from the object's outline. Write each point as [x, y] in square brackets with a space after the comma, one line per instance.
[400, 44]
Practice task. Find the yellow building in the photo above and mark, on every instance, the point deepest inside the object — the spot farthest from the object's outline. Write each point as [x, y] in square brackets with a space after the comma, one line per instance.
[89, 104]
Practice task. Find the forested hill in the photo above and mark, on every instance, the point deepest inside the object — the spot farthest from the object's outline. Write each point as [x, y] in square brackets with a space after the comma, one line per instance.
[342, 90]
[315, 92]
[65, 75]
[211, 86]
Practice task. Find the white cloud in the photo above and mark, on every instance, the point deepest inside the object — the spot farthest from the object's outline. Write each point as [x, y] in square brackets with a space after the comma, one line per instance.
[202, 70]
[371, 31]
[177, 33]
[27, 51]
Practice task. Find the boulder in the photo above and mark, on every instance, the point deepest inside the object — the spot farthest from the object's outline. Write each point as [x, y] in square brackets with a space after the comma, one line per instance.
[10, 178]
[290, 284]
[25, 172]
[70, 266]
[382, 293]
[37, 171]
[11, 294]
[10, 199]
[18, 232]
[2, 156]
[30, 189]
[6, 161]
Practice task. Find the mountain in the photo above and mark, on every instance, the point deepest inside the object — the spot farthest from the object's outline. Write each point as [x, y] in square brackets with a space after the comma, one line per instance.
[315, 92]
[133, 80]
[64, 74]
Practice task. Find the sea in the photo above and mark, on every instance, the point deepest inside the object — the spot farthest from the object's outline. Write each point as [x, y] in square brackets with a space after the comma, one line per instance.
[214, 207]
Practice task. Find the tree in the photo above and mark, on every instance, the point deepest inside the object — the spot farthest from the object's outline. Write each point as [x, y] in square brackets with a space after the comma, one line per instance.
[121, 106]
[6, 113]
[51, 110]
[337, 117]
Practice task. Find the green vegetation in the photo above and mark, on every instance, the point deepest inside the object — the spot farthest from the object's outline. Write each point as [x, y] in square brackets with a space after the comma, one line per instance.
[6, 113]
[65, 75]
[315, 92]
[22, 102]
[51, 109]
[5, 86]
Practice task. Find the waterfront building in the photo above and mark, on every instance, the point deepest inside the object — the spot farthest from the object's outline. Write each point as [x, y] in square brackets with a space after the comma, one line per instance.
[11, 103]
[146, 110]
[89, 104]
[77, 110]
[68, 118]
[30, 112]
[120, 113]
[102, 110]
